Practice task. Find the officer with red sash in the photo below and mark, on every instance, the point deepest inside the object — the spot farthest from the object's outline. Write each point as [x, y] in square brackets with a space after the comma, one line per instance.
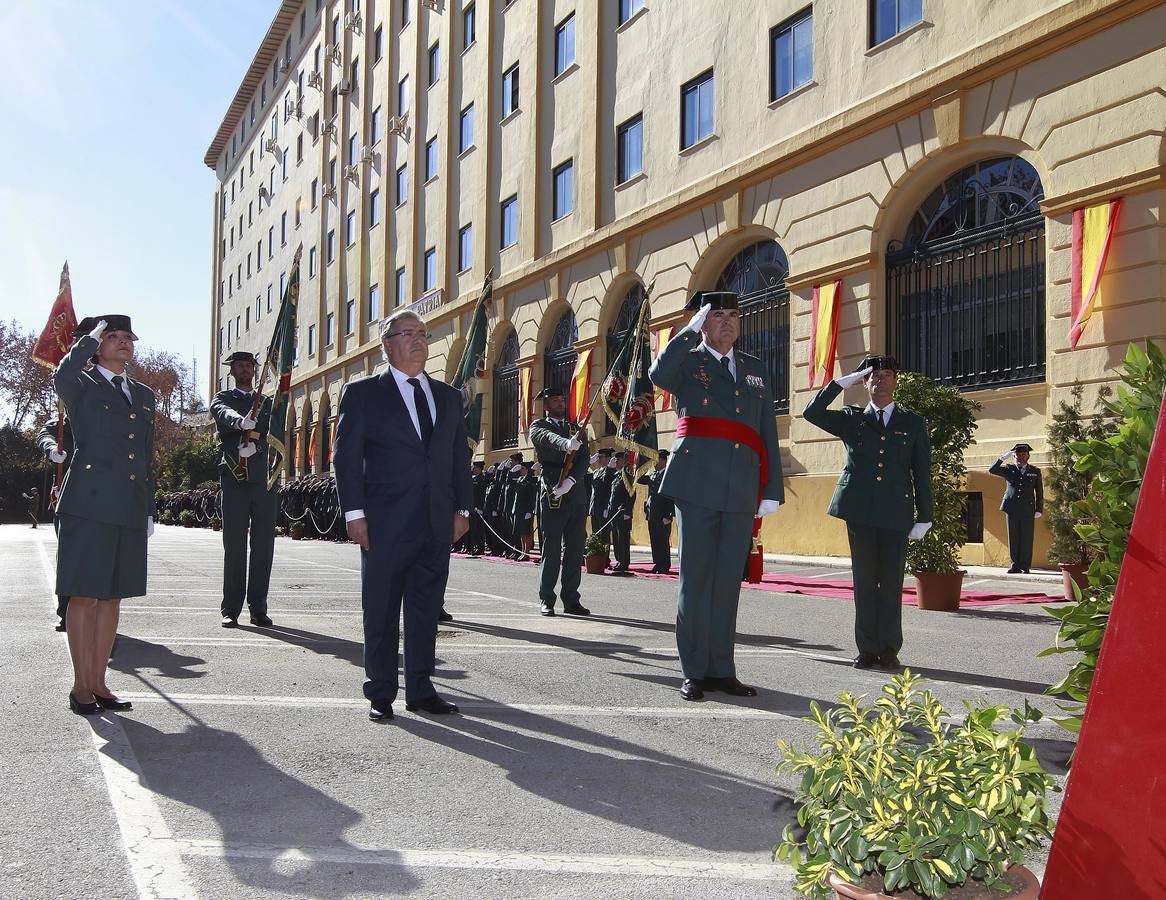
[724, 470]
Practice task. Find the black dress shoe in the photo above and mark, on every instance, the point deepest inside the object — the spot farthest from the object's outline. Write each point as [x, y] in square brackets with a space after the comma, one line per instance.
[866, 661]
[692, 689]
[263, 621]
[577, 609]
[230, 622]
[443, 616]
[434, 705]
[730, 686]
[83, 709]
[890, 661]
[112, 703]
[60, 626]
[380, 710]
[1015, 570]
[546, 609]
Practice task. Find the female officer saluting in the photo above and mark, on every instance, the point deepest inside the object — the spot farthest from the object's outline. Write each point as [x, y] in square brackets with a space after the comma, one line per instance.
[106, 506]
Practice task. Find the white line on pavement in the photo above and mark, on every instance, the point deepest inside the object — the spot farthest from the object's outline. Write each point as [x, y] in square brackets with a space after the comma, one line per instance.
[156, 866]
[494, 861]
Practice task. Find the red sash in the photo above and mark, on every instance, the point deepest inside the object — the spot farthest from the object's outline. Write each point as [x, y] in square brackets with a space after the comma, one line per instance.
[738, 433]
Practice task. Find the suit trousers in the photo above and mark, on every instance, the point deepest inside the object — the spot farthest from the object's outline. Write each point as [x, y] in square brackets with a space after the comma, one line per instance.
[411, 572]
[713, 549]
[877, 557]
[564, 529]
[660, 534]
[621, 540]
[1021, 525]
[248, 509]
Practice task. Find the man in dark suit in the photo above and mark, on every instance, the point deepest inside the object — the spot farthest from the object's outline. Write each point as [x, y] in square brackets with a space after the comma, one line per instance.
[249, 506]
[55, 440]
[658, 511]
[883, 495]
[725, 471]
[1023, 503]
[402, 465]
[620, 502]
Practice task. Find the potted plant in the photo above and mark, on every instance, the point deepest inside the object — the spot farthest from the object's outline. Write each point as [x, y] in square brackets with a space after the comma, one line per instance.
[186, 518]
[296, 530]
[595, 554]
[898, 797]
[1068, 485]
[951, 425]
[216, 523]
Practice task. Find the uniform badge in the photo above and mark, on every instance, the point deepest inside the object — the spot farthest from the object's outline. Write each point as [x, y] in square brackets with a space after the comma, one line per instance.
[703, 377]
[755, 381]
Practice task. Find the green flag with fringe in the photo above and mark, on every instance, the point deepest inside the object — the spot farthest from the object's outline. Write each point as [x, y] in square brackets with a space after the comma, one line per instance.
[629, 397]
[472, 368]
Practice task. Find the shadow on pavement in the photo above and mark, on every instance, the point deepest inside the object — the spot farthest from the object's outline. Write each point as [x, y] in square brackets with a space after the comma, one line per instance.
[976, 679]
[767, 699]
[605, 649]
[133, 656]
[746, 640]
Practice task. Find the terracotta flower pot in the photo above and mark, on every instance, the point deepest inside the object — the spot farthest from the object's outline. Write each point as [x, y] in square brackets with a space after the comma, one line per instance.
[1015, 877]
[596, 563]
[1074, 572]
[939, 591]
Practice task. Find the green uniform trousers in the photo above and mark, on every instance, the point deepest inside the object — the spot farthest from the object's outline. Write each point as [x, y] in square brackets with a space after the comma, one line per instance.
[877, 556]
[1021, 526]
[564, 529]
[248, 507]
[713, 549]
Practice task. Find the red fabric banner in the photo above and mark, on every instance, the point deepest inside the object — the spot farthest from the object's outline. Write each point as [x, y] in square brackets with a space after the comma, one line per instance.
[56, 339]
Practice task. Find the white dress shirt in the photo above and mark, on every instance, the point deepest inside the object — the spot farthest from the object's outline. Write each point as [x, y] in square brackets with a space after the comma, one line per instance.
[888, 411]
[729, 356]
[406, 390]
[125, 383]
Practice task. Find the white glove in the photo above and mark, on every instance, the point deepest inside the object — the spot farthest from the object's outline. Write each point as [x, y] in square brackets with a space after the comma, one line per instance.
[57, 456]
[149, 526]
[560, 489]
[246, 424]
[918, 530]
[594, 459]
[527, 516]
[1003, 456]
[846, 381]
[1036, 515]
[765, 507]
[613, 463]
[627, 518]
[666, 521]
[697, 320]
[574, 443]
[99, 330]
[247, 450]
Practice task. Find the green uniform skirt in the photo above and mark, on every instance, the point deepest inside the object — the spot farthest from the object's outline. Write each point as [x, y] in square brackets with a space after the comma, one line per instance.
[96, 559]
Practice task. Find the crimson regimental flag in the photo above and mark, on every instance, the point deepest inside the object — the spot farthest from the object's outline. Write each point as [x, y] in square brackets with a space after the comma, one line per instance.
[56, 339]
[281, 356]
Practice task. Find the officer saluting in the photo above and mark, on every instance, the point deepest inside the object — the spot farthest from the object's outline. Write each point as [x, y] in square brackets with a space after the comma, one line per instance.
[248, 505]
[883, 495]
[725, 469]
[562, 508]
[1023, 502]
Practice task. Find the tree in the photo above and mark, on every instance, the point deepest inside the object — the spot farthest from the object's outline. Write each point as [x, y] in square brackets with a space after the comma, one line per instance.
[22, 467]
[26, 387]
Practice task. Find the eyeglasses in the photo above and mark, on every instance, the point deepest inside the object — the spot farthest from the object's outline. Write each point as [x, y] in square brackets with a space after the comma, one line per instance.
[409, 334]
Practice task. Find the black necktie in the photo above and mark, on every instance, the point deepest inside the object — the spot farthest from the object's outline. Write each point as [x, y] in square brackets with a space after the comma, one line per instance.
[882, 424]
[117, 383]
[725, 363]
[424, 418]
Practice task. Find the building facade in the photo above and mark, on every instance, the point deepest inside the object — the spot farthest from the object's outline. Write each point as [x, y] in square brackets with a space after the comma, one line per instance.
[928, 156]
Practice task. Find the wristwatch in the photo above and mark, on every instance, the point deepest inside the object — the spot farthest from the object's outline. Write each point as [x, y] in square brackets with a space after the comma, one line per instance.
[464, 513]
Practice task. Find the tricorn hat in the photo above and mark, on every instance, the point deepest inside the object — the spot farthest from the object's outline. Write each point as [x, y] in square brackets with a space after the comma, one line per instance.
[241, 356]
[718, 300]
[112, 323]
[1021, 448]
[878, 362]
[663, 454]
[548, 392]
[604, 451]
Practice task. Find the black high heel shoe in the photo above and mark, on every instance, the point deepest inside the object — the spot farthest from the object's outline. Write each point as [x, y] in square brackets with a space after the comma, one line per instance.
[112, 703]
[83, 709]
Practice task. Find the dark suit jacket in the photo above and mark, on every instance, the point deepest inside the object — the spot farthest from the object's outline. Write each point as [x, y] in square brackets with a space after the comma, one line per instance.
[382, 466]
[1024, 492]
[886, 482]
[110, 476]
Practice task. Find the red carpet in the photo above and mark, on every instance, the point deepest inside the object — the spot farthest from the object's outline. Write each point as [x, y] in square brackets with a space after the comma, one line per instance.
[787, 583]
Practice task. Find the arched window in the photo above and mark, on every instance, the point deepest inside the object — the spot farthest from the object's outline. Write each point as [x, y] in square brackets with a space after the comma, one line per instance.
[966, 285]
[757, 275]
[559, 359]
[624, 322]
[504, 430]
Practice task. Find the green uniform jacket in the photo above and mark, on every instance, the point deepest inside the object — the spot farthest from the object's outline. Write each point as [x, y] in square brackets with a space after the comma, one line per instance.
[886, 482]
[550, 446]
[1024, 492]
[110, 476]
[712, 472]
[228, 409]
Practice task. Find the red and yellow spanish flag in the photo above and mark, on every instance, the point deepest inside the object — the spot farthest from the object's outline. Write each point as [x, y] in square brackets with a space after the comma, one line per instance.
[659, 342]
[824, 332]
[580, 387]
[56, 339]
[315, 436]
[1093, 229]
[524, 399]
[329, 434]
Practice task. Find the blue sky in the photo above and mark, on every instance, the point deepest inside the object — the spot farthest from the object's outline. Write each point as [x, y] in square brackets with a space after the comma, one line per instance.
[109, 107]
